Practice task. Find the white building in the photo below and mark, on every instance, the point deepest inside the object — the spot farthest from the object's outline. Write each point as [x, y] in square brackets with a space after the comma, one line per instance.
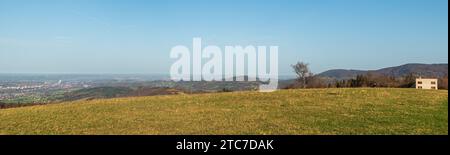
[423, 83]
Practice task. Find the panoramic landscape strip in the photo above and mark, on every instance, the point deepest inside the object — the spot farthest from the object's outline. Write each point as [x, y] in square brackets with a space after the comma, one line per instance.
[224, 75]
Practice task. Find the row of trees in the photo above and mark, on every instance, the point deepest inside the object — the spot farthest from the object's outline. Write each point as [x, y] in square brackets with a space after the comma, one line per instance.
[376, 80]
[14, 105]
[305, 79]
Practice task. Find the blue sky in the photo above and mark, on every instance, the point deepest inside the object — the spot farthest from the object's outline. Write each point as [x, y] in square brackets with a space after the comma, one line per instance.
[118, 36]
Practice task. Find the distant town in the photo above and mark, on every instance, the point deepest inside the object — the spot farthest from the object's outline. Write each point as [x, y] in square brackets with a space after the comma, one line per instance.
[10, 90]
[42, 88]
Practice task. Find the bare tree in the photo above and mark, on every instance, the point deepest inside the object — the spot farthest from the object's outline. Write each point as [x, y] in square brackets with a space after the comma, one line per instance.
[302, 71]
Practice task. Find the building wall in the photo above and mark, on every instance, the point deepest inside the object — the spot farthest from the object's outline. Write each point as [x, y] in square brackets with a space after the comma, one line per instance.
[426, 83]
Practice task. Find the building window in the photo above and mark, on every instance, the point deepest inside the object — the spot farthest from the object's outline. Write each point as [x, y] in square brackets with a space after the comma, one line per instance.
[419, 82]
[420, 87]
[433, 82]
[433, 87]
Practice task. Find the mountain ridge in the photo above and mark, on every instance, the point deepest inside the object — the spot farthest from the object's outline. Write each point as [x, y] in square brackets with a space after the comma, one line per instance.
[438, 70]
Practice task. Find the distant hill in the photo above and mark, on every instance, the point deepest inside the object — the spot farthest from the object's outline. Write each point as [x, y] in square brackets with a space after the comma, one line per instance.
[424, 70]
[341, 73]
[154, 88]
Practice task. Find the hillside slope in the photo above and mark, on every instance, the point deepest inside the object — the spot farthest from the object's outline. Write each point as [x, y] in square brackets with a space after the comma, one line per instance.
[311, 111]
[425, 70]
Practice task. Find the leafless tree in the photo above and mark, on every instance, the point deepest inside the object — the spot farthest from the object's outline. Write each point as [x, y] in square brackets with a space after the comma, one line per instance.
[302, 71]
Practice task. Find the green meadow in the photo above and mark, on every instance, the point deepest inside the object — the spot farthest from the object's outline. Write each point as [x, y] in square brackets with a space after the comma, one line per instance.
[356, 111]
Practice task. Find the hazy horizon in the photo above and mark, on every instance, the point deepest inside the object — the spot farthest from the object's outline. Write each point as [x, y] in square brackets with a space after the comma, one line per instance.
[167, 74]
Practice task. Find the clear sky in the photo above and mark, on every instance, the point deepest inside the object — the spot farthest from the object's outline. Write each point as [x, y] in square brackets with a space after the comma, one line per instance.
[131, 36]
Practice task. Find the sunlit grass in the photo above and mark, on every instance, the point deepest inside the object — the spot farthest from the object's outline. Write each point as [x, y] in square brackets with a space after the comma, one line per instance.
[311, 111]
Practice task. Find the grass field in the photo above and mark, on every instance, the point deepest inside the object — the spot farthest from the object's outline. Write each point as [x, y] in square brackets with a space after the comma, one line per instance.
[311, 111]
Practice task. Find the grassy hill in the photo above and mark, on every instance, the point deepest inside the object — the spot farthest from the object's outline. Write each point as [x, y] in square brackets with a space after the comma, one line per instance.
[312, 111]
